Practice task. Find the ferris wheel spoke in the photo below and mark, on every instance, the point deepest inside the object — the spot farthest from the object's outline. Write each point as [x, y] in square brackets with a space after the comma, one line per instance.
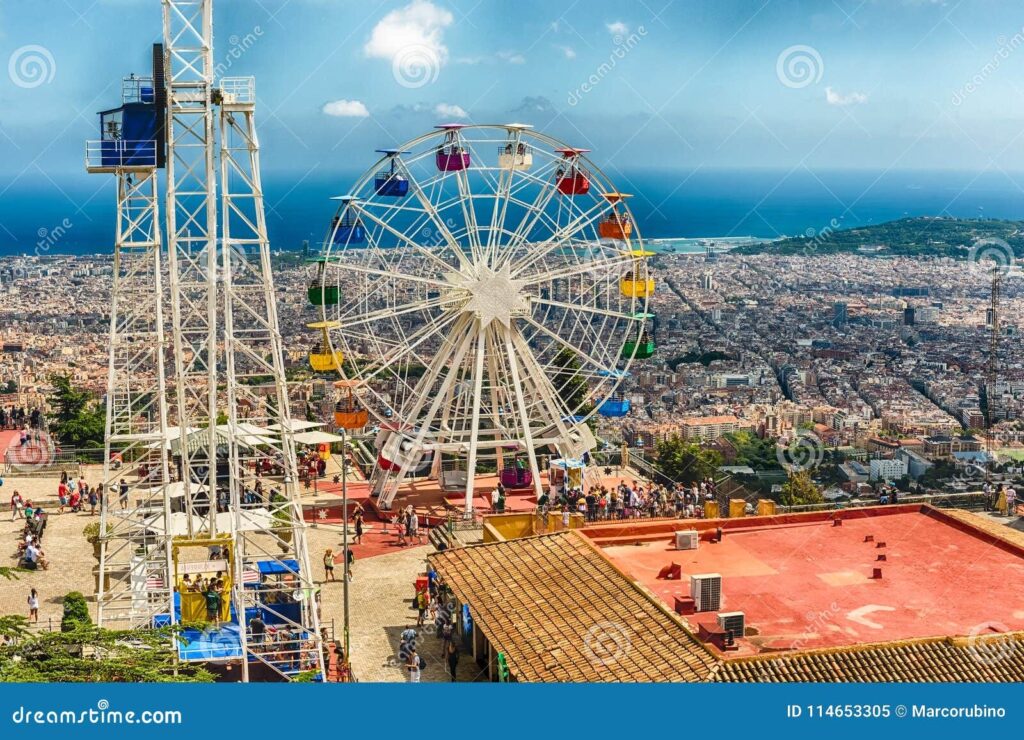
[581, 268]
[570, 346]
[432, 214]
[524, 416]
[351, 266]
[387, 313]
[538, 213]
[418, 248]
[544, 390]
[563, 235]
[411, 342]
[585, 308]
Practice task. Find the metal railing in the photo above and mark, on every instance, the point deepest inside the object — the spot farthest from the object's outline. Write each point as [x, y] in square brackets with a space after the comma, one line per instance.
[973, 500]
[238, 90]
[103, 153]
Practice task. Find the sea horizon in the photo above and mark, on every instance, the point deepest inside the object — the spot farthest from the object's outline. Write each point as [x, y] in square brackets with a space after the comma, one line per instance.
[715, 204]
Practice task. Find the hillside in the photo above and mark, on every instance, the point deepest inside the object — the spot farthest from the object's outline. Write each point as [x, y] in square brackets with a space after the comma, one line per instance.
[923, 236]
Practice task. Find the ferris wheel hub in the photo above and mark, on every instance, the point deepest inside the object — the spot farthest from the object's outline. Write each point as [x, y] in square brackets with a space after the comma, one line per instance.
[494, 295]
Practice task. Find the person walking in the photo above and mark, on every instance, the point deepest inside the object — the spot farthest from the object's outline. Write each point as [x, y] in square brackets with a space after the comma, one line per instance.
[452, 653]
[359, 527]
[33, 605]
[413, 666]
[329, 565]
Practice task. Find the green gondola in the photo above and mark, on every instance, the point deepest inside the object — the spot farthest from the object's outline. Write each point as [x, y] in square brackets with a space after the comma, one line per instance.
[644, 346]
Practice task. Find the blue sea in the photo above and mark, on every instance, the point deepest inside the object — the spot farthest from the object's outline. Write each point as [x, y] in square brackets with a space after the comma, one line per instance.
[75, 214]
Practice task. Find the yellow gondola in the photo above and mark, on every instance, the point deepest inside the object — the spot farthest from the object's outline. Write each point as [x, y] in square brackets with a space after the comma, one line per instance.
[638, 283]
[321, 358]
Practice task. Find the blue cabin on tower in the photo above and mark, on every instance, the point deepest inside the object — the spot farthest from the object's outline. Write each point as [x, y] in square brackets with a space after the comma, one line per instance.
[132, 135]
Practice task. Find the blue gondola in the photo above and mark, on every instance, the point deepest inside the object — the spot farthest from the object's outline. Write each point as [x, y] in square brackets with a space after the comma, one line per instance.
[347, 228]
[615, 406]
[389, 182]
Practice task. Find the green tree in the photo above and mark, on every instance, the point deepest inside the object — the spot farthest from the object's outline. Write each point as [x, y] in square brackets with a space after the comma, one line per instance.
[686, 462]
[76, 612]
[90, 654]
[800, 490]
[11, 386]
[569, 382]
[79, 419]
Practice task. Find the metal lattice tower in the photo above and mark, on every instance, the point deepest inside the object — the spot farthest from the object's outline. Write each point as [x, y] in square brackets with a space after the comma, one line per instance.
[200, 494]
[134, 583]
[257, 394]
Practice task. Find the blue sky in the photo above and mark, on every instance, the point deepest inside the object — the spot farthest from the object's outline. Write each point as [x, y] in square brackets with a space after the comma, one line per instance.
[697, 85]
[883, 85]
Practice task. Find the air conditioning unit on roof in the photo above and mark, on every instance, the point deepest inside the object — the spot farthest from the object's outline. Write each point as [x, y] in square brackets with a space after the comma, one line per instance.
[706, 590]
[687, 539]
[734, 622]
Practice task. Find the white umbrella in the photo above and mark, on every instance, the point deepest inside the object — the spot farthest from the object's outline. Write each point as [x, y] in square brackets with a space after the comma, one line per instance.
[317, 438]
[296, 425]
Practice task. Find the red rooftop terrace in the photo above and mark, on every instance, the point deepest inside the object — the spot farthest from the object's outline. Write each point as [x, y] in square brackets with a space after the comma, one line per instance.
[882, 574]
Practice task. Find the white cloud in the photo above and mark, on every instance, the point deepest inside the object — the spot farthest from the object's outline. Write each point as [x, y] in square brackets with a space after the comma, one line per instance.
[345, 109]
[834, 97]
[417, 28]
[448, 110]
[512, 57]
[617, 28]
[567, 51]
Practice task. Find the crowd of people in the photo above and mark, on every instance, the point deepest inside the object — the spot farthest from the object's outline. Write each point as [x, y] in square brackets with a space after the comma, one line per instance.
[632, 500]
[21, 418]
[436, 613]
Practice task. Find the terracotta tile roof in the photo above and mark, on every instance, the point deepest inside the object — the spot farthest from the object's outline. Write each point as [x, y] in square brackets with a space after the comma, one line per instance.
[561, 611]
[998, 658]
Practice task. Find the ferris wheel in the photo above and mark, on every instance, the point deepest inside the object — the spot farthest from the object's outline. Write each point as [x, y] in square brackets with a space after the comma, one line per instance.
[483, 291]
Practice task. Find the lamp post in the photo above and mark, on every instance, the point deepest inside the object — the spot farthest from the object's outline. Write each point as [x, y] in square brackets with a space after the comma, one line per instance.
[344, 534]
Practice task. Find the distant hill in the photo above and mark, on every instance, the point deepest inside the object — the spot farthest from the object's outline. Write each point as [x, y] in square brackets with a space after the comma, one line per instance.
[924, 236]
